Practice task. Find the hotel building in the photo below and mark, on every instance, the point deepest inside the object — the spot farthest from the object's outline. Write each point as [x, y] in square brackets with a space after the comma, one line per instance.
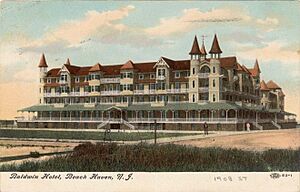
[173, 94]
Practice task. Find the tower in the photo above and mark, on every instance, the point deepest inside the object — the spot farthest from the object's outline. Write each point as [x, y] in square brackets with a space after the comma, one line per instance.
[215, 82]
[194, 70]
[43, 73]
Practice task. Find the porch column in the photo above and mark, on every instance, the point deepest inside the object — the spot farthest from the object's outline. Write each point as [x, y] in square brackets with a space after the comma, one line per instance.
[80, 116]
[28, 115]
[91, 115]
[102, 115]
[212, 115]
[60, 116]
[199, 115]
[70, 115]
[256, 118]
[186, 115]
[173, 115]
[275, 117]
[50, 115]
[161, 115]
[236, 113]
[136, 115]
[226, 115]
[148, 115]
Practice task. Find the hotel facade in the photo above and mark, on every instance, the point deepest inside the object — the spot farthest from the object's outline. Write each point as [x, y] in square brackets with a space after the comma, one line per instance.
[173, 94]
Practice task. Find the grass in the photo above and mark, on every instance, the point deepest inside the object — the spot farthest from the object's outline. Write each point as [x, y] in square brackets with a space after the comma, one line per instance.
[84, 135]
[170, 157]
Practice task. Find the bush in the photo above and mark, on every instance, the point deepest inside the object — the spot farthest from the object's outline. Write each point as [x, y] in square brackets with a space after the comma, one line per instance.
[145, 157]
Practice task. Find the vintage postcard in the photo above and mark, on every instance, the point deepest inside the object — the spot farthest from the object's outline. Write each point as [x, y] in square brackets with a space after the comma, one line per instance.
[149, 96]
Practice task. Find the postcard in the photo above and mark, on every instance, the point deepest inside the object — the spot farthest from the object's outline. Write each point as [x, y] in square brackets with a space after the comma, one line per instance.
[149, 96]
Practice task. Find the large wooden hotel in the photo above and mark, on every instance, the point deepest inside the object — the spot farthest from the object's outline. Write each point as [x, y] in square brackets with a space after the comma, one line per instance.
[172, 94]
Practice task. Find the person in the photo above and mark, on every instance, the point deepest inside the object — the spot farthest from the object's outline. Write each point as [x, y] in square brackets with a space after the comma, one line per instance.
[248, 126]
[205, 128]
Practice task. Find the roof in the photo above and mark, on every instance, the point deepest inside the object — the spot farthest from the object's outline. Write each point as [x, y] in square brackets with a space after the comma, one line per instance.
[195, 48]
[256, 70]
[272, 85]
[203, 50]
[215, 48]
[263, 86]
[53, 72]
[127, 65]
[143, 107]
[96, 67]
[246, 69]
[68, 62]
[43, 62]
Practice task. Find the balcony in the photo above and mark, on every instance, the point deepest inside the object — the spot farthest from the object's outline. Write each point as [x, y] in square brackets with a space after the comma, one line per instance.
[177, 90]
[203, 75]
[161, 78]
[203, 89]
[113, 92]
[109, 80]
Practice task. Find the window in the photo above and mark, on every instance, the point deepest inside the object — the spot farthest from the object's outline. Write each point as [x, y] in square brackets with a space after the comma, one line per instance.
[160, 86]
[77, 79]
[77, 89]
[126, 75]
[193, 70]
[152, 86]
[214, 69]
[177, 74]
[141, 76]
[214, 83]
[177, 85]
[141, 87]
[193, 84]
[152, 98]
[194, 98]
[152, 76]
[161, 72]
[214, 97]
[48, 80]
[126, 87]
[63, 78]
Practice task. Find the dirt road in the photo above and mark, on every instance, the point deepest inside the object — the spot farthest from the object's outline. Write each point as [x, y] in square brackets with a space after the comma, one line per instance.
[278, 139]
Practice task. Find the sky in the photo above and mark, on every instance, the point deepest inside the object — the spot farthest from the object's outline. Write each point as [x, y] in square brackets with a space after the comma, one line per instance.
[88, 32]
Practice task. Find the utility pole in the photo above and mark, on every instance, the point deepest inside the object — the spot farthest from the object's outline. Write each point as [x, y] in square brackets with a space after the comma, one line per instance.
[155, 133]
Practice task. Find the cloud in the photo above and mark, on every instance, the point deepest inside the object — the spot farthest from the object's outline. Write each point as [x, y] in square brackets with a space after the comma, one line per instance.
[191, 19]
[105, 27]
[194, 18]
[273, 51]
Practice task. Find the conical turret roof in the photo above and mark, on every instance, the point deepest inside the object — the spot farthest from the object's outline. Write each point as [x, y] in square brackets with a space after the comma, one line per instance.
[195, 48]
[215, 48]
[43, 62]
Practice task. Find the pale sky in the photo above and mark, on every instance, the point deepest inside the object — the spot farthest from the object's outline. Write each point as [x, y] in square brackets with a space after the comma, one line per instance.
[113, 32]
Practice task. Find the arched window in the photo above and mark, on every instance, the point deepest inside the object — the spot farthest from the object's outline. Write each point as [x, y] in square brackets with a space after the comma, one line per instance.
[193, 84]
[194, 98]
[214, 83]
[214, 69]
[214, 97]
[193, 70]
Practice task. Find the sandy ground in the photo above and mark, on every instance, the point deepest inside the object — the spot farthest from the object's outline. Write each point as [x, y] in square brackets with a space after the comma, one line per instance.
[14, 147]
[258, 141]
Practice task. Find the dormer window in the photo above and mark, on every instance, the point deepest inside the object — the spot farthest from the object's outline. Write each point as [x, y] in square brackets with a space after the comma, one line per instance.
[63, 78]
[177, 74]
[126, 75]
[48, 80]
[161, 72]
[152, 76]
[77, 79]
[141, 76]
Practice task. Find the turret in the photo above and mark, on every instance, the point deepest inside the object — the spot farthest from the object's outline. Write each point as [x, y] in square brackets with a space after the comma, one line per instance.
[194, 70]
[215, 50]
[68, 62]
[215, 82]
[43, 73]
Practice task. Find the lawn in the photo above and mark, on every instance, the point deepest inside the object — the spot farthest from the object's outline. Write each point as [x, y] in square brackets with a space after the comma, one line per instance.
[145, 157]
[84, 135]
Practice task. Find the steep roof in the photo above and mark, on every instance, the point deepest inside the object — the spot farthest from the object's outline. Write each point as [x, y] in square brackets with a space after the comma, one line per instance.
[127, 65]
[53, 72]
[246, 69]
[263, 86]
[68, 62]
[215, 48]
[96, 67]
[272, 85]
[43, 62]
[256, 70]
[195, 48]
[203, 50]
